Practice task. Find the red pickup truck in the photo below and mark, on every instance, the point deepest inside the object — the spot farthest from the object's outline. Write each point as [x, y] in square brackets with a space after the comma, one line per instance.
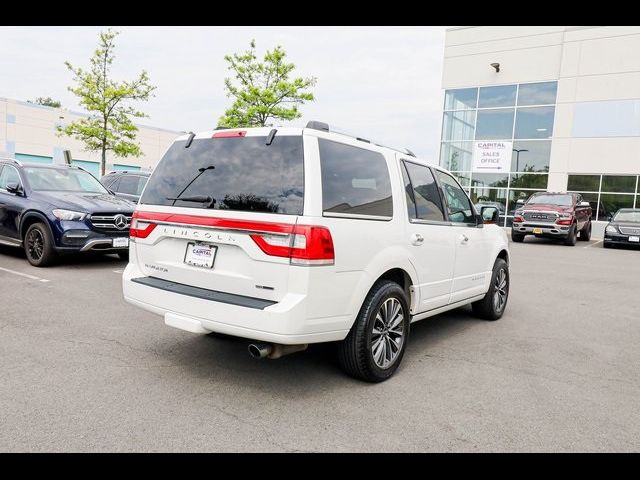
[555, 215]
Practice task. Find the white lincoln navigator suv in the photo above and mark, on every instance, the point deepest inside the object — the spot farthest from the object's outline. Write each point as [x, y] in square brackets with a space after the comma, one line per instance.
[292, 236]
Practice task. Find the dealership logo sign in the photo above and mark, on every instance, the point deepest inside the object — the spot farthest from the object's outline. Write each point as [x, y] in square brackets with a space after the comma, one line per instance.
[492, 156]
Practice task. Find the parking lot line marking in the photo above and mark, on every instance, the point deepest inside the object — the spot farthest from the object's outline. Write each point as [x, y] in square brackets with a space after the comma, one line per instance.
[26, 275]
[599, 241]
[118, 271]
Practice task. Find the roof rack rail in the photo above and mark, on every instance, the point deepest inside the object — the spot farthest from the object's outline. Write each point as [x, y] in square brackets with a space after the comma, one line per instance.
[11, 159]
[324, 127]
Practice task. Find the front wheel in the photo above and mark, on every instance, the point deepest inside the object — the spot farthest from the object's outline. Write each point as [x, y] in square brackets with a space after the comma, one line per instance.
[585, 233]
[517, 237]
[492, 306]
[377, 341]
[38, 245]
[572, 238]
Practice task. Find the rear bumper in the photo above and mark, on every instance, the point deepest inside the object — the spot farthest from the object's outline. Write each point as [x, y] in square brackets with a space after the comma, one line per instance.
[551, 230]
[285, 322]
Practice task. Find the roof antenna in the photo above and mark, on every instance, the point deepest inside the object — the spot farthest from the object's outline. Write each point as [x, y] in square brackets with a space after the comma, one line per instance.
[410, 153]
[272, 134]
[190, 139]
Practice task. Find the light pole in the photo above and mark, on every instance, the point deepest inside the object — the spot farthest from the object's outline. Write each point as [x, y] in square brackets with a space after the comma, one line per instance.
[518, 157]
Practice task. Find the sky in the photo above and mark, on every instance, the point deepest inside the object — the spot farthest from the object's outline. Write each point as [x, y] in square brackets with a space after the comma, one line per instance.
[382, 83]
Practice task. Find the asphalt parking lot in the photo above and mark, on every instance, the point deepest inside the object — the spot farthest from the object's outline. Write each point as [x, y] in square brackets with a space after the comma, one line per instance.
[81, 370]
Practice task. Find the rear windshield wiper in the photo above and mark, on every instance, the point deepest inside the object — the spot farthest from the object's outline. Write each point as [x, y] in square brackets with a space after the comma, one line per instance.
[193, 198]
[201, 198]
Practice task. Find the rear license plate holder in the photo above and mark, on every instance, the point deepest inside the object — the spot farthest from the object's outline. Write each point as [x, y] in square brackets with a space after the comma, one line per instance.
[200, 255]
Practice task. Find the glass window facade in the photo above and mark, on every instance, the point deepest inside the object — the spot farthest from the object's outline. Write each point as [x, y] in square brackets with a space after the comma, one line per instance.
[519, 113]
[606, 193]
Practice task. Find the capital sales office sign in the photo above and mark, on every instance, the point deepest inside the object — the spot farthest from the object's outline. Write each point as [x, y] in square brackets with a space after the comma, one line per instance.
[492, 157]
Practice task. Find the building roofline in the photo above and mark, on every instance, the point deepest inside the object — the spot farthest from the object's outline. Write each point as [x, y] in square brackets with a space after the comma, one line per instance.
[566, 29]
[81, 114]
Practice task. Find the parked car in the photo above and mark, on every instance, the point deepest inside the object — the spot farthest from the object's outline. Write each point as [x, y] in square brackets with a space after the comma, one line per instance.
[623, 229]
[294, 236]
[554, 215]
[56, 209]
[126, 184]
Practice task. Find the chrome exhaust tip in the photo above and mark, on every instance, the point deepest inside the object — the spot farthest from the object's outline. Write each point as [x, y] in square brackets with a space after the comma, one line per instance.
[260, 350]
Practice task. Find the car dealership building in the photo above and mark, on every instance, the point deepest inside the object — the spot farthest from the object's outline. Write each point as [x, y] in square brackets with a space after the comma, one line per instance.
[28, 132]
[543, 108]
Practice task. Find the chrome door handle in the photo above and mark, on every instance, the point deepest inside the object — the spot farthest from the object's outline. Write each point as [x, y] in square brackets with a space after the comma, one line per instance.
[464, 239]
[417, 239]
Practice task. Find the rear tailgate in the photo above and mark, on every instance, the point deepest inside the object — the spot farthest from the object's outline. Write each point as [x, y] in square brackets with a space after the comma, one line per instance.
[238, 265]
[219, 211]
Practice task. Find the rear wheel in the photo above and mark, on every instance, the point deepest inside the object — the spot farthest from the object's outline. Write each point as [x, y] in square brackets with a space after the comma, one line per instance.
[492, 306]
[38, 245]
[517, 237]
[377, 341]
[572, 238]
[585, 233]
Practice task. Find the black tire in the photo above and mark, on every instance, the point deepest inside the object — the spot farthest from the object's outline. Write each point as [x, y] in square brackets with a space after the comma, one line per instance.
[572, 238]
[489, 308]
[38, 245]
[517, 237]
[356, 353]
[124, 255]
[585, 233]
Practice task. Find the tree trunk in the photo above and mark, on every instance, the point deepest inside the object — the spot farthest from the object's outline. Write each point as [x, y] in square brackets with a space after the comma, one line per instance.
[103, 163]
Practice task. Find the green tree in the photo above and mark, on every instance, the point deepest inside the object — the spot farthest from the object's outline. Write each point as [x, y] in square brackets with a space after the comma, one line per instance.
[46, 101]
[262, 90]
[109, 125]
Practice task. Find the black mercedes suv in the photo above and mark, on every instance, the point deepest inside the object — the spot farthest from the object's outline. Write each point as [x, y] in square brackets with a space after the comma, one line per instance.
[57, 209]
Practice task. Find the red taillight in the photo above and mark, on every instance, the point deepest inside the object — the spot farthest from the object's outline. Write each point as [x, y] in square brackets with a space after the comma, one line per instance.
[305, 245]
[564, 221]
[518, 219]
[140, 228]
[302, 244]
[230, 134]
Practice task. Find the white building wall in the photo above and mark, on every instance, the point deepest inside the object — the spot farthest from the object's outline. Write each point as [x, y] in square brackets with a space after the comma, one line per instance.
[31, 129]
[591, 64]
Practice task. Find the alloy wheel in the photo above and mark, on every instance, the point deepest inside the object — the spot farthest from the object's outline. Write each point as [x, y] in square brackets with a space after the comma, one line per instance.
[500, 291]
[35, 244]
[388, 333]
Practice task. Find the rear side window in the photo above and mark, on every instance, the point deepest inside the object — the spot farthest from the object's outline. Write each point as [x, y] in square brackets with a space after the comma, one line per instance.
[240, 174]
[427, 202]
[355, 181]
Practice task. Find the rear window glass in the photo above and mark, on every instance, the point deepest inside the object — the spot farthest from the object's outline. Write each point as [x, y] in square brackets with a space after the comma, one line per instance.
[355, 181]
[241, 174]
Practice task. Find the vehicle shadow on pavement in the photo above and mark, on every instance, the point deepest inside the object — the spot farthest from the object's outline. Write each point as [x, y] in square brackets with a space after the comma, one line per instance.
[225, 360]
[551, 241]
[81, 260]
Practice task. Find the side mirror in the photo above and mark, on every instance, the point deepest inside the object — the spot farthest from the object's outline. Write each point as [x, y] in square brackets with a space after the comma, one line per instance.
[490, 214]
[584, 204]
[609, 217]
[14, 187]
